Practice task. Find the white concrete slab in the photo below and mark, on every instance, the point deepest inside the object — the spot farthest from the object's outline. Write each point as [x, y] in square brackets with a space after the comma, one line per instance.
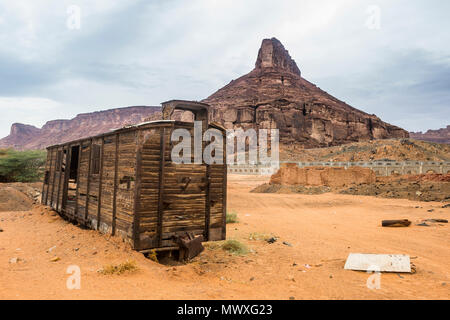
[378, 262]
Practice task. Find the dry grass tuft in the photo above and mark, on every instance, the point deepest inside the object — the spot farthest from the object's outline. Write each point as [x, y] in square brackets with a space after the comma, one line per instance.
[127, 266]
[260, 236]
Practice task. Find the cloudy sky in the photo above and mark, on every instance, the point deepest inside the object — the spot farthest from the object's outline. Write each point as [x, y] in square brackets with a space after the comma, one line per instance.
[390, 58]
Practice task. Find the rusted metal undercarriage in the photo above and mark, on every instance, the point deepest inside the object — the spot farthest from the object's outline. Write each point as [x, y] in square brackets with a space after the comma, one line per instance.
[190, 246]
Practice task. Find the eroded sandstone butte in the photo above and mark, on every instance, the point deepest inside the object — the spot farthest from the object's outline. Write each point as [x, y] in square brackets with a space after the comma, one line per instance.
[23, 137]
[440, 135]
[275, 96]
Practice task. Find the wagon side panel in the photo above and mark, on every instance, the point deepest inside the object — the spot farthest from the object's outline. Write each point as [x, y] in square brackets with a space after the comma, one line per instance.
[105, 216]
[125, 184]
[149, 188]
[93, 188]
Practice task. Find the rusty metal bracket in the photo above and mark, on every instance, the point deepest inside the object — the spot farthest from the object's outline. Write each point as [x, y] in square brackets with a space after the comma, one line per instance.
[190, 246]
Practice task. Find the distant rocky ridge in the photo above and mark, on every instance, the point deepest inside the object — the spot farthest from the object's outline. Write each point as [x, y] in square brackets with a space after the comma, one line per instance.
[23, 137]
[440, 135]
[272, 96]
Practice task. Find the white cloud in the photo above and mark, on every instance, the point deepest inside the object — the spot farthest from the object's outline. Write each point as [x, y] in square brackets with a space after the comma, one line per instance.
[29, 110]
[144, 52]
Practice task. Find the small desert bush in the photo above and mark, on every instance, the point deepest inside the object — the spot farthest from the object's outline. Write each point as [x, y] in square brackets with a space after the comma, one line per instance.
[235, 247]
[232, 217]
[128, 266]
[152, 255]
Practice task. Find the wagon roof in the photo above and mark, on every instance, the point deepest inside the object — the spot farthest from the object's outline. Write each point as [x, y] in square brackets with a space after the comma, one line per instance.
[130, 128]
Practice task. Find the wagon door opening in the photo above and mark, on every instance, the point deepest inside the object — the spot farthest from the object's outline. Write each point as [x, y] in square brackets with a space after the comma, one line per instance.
[71, 197]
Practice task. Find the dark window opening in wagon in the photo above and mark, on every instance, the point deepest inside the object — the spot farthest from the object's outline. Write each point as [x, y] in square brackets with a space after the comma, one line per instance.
[73, 176]
[74, 163]
[96, 159]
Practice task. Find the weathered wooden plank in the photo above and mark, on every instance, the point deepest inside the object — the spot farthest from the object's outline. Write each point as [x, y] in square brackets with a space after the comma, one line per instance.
[116, 164]
[66, 178]
[54, 177]
[396, 223]
[59, 185]
[88, 182]
[80, 151]
[224, 197]
[100, 180]
[137, 191]
[49, 154]
[161, 184]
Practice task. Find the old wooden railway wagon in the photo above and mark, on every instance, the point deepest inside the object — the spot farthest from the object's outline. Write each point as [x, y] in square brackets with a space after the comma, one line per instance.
[124, 182]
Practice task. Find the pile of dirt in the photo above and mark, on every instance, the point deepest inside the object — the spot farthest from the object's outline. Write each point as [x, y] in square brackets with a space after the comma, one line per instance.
[357, 181]
[277, 188]
[430, 177]
[373, 150]
[424, 187]
[291, 174]
[19, 196]
[404, 189]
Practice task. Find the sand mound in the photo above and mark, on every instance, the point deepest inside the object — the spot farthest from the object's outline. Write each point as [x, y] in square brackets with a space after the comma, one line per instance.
[412, 190]
[277, 188]
[430, 177]
[291, 174]
[13, 200]
[18, 196]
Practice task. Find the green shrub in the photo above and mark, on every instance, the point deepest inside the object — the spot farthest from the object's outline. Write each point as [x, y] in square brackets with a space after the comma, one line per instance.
[21, 166]
[232, 217]
[235, 247]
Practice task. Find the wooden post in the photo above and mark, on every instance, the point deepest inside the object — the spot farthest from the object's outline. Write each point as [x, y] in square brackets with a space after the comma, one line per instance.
[137, 192]
[208, 202]
[49, 172]
[54, 177]
[43, 182]
[59, 183]
[99, 200]
[78, 182]
[396, 223]
[86, 206]
[161, 183]
[66, 177]
[116, 170]
[224, 189]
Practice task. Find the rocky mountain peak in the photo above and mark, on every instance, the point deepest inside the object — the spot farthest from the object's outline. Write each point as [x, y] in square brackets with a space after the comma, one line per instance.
[272, 54]
[275, 96]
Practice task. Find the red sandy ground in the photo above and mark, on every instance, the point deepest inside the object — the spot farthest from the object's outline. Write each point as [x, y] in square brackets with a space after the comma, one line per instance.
[323, 230]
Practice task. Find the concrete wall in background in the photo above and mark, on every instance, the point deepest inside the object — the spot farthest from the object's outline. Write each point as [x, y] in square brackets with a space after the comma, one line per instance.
[381, 168]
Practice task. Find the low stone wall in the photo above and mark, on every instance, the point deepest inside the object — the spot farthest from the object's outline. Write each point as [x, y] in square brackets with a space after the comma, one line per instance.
[291, 174]
[381, 168]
